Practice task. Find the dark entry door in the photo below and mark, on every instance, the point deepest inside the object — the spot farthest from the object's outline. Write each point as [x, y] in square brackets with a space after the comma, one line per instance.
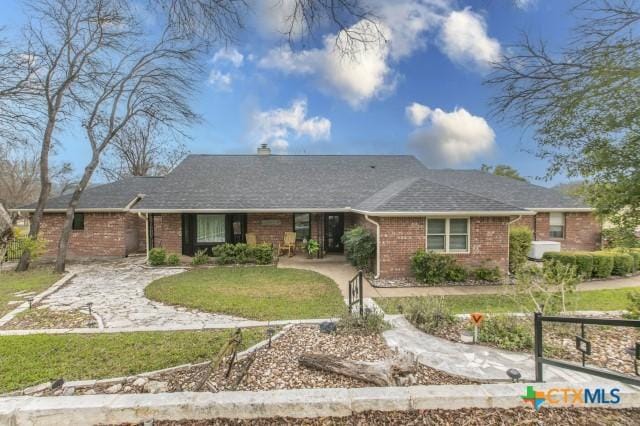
[333, 230]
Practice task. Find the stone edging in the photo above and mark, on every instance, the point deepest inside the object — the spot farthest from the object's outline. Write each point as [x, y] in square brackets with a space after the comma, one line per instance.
[36, 299]
[136, 408]
[238, 324]
[87, 384]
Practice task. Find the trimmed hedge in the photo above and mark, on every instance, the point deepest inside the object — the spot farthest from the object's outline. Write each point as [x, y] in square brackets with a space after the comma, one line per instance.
[602, 264]
[227, 253]
[622, 264]
[520, 238]
[157, 256]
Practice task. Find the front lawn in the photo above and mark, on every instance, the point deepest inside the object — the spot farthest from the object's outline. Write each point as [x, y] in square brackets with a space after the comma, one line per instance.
[33, 359]
[595, 300]
[260, 293]
[35, 280]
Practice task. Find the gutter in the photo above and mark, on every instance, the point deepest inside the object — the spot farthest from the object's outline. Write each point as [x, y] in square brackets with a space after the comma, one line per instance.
[368, 219]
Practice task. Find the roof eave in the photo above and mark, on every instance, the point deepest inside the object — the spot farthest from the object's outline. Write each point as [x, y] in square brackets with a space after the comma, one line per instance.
[252, 210]
[561, 209]
[461, 213]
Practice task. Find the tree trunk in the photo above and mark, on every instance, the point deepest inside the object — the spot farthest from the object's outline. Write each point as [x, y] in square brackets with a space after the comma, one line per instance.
[399, 370]
[6, 231]
[63, 243]
[45, 186]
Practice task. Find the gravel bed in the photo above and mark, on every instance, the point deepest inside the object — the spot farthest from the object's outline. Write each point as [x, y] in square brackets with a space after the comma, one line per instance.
[468, 416]
[42, 317]
[271, 368]
[611, 347]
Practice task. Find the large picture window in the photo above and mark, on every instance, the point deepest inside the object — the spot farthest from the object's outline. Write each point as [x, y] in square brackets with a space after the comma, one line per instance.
[302, 225]
[556, 225]
[210, 228]
[448, 235]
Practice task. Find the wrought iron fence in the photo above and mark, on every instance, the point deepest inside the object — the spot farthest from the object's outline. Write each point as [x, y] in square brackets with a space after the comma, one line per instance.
[583, 345]
[355, 293]
[14, 250]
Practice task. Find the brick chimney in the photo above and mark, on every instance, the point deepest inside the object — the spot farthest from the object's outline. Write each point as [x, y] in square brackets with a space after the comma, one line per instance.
[264, 149]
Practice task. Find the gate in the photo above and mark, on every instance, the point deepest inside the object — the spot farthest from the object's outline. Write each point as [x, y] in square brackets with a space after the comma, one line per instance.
[583, 345]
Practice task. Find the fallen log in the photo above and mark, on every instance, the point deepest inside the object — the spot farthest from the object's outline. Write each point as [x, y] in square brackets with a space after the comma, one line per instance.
[397, 371]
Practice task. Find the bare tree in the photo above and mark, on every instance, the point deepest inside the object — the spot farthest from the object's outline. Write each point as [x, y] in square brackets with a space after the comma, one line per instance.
[141, 149]
[147, 81]
[64, 40]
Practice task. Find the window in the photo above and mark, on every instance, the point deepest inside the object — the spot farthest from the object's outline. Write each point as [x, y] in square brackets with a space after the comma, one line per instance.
[78, 222]
[302, 225]
[556, 225]
[448, 235]
[210, 228]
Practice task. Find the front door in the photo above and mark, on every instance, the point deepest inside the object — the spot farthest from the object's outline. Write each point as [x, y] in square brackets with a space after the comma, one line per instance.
[333, 230]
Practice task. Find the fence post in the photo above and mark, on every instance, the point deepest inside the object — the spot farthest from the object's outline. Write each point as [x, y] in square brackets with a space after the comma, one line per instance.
[537, 326]
[360, 292]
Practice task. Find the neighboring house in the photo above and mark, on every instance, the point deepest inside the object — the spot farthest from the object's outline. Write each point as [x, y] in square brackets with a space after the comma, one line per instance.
[212, 199]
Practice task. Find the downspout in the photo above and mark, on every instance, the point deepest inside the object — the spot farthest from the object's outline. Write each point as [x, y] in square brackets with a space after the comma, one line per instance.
[146, 231]
[368, 219]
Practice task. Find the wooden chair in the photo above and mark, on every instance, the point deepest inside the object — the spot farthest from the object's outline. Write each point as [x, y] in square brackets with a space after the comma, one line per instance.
[251, 239]
[288, 244]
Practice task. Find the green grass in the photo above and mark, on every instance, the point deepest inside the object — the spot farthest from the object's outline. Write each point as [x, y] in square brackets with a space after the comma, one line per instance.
[596, 300]
[33, 359]
[11, 282]
[261, 293]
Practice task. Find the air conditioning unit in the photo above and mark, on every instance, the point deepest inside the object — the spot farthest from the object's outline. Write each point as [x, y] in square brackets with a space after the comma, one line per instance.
[538, 248]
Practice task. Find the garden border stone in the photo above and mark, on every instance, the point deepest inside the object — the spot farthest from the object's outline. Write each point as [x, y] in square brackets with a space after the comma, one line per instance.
[298, 403]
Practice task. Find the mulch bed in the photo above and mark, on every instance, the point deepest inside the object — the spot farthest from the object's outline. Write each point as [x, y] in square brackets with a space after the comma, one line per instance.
[42, 317]
[611, 347]
[277, 367]
[412, 282]
[467, 416]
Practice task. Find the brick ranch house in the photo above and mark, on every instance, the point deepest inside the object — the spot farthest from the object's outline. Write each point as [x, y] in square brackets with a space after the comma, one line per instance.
[212, 199]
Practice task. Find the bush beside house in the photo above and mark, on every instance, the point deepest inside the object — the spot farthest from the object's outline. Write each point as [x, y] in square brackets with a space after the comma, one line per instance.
[520, 238]
[359, 247]
[600, 264]
[433, 268]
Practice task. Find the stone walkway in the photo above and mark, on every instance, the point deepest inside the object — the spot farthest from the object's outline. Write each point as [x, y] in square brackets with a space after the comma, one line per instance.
[116, 290]
[474, 361]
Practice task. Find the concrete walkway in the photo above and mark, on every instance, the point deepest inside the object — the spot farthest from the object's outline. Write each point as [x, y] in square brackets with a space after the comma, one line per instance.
[627, 282]
[474, 361]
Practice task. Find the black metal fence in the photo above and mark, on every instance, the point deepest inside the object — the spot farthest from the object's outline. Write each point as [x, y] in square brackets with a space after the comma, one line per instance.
[583, 345]
[14, 250]
[355, 293]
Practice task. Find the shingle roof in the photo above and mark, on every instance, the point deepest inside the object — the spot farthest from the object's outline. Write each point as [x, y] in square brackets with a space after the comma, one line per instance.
[369, 183]
[116, 195]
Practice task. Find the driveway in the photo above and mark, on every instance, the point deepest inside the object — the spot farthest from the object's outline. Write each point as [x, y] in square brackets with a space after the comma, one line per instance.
[116, 289]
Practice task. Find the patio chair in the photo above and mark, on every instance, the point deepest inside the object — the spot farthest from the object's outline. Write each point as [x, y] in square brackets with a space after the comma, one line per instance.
[251, 239]
[288, 244]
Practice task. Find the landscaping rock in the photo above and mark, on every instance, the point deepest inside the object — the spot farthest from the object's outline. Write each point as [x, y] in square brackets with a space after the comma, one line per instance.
[328, 327]
[68, 391]
[114, 389]
[140, 382]
[156, 387]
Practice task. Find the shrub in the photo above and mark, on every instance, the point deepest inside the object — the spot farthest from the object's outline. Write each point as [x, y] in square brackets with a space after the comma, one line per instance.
[602, 264]
[428, 314]
[584, 264]
[456, 273]
[484, 273]
[370, 323]
[226, 253]
[506, 332]
[200, 257]
[35, 247]
[313, 247]
[359, 246]
[520, 238]
[263, 253]
[636, 259]
[157, 256]
[582, 261]
[622, 264]
[243, 253]
[634, 305]
[173, 259]
[430, 267]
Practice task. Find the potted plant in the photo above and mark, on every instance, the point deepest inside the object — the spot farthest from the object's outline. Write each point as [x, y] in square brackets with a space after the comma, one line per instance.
[312, 248]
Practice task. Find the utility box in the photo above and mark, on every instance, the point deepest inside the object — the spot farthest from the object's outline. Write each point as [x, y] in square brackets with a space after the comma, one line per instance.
[538, 248]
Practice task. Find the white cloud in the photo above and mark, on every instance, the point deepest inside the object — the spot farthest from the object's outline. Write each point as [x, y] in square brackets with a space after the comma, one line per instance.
[277, 126]
[450, 138]
[524, 4]
[220, 81]
[417, 113]
[464, 40]
[228, 55]
[369, 72]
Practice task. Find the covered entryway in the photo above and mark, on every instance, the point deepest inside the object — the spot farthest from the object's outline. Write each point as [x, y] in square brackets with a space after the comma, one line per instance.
[333, 231]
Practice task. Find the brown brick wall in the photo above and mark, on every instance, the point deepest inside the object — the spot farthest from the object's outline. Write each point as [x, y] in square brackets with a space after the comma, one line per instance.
[401, 237]
[270, 227]
[582, 230]
[167, 232]
[104, 234]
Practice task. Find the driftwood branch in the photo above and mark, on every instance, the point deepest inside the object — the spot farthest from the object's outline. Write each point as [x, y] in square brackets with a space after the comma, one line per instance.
[399, 370]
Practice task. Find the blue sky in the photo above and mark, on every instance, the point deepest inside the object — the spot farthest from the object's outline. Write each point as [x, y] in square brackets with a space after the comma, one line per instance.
[421, 93]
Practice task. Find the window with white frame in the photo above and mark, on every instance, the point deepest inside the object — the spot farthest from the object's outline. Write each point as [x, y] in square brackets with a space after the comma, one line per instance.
[448, 235]
[210, 228]
[556, 225]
